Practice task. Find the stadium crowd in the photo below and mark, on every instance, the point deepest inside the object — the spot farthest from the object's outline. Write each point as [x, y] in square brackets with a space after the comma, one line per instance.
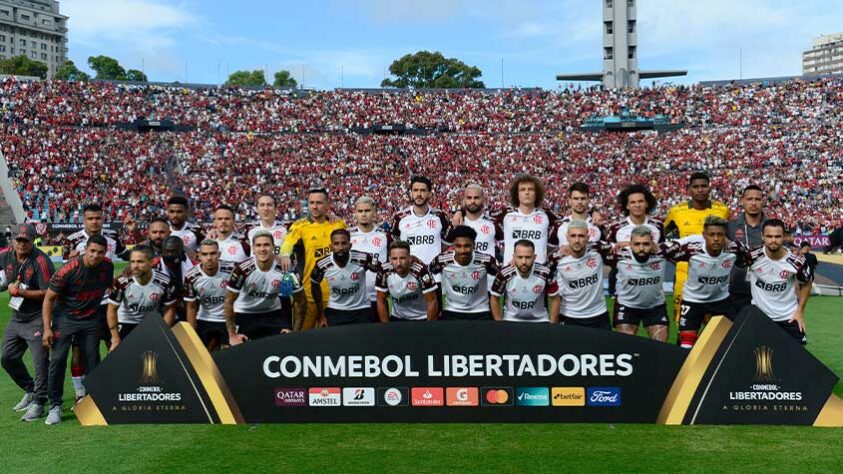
[60, 146]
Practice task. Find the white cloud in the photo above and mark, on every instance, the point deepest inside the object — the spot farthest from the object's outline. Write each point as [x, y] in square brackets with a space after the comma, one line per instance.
[95, 18]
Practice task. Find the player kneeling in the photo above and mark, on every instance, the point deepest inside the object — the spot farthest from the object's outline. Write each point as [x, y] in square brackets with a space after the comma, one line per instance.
[407, 281]
[253, 307]
[204, 293]
[345, 271]
[774, 271]
[524, 285]
[147, 292]
[640, 298]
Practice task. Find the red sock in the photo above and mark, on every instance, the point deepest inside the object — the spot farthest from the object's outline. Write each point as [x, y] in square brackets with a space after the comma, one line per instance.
[77, 370]
[687, 339]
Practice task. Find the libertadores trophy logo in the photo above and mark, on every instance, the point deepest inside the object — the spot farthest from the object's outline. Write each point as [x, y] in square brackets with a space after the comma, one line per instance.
[149, 374]
[764, 364]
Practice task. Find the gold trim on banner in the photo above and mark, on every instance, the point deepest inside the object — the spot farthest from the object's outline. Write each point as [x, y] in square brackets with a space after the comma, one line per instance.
[88, 413]
[832, 413]
[209, 375]
[690, 375]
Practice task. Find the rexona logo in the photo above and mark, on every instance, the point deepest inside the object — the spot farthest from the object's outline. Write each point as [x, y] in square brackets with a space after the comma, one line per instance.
[567, 396]
[462, 396]
[496, 396]
[393, 396]
[358, 397]
[290, 397]
[604, 396]
[428, 397]
[532, 396]
[324, 396]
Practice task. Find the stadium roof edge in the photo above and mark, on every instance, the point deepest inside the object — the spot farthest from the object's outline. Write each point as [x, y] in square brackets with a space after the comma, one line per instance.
[804, 77]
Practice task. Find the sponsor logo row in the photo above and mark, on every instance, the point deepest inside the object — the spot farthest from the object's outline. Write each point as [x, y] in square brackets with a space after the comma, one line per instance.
[450, 396]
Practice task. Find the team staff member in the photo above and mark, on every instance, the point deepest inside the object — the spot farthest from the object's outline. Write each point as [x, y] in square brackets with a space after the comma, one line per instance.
[142, 295]
[686, 219]
[525, 286]
[746, 229]
[253, 307]
[27, 272]
[70, 308]
[407, 281]
[465, 278]
[775, 273]
[205, 290]
[345, 271]
[313, 233]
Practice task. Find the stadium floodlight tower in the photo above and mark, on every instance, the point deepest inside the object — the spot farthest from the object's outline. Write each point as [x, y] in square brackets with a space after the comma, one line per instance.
[620, 50]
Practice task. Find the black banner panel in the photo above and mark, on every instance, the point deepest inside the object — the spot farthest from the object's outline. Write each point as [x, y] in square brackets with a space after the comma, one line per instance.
[749, 372]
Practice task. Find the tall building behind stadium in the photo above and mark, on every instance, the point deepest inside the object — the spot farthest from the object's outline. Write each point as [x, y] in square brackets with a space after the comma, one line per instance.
[35, 29]
[825, 56]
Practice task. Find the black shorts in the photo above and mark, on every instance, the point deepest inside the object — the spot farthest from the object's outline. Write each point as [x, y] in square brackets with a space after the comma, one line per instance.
[793, 330]
[341, 317]
[692, 315]
[634, 316]
[260, 325]
[597, 322]
[739, 301]
[125, 329]
[209, 331]
[454, 316]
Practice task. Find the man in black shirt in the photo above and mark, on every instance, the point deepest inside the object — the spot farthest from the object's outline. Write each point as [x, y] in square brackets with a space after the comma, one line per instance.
[810, 259]
[74, 297]
[27, 271]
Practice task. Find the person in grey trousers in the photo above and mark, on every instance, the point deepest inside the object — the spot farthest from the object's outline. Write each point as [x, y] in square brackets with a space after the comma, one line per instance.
[26, 271]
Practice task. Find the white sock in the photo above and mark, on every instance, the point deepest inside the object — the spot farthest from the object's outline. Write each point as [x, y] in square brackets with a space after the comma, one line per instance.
[78, 387]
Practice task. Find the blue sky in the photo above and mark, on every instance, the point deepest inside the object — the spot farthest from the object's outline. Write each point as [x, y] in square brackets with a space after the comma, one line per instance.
[332, 43]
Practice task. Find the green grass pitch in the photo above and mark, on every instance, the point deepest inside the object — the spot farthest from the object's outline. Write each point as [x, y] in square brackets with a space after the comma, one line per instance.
[498, 448]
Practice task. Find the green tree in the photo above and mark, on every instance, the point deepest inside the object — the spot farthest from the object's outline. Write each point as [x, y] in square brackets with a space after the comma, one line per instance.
[247, 79]
[107, 68]
[432, 70]
[23, 66]
[284, 79]
[135, 75]
[69, 72]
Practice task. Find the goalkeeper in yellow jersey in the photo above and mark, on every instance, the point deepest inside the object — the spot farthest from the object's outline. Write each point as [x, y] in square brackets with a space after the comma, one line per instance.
[686, 219]
[312, 236]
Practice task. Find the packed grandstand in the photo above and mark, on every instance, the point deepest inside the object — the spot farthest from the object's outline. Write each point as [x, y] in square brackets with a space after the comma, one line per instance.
[66, 145]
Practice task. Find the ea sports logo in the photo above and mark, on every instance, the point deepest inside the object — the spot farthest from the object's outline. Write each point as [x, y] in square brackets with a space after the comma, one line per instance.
[591, 262]
[377, 241]
[784, 274]
[355, 276]
[155, 296]
[475, 275]
[538, 219]
[537, 289]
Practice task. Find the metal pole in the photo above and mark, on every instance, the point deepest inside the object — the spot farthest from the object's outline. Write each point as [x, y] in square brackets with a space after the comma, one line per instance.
[502, 86]
[342, 76]
[740, 62]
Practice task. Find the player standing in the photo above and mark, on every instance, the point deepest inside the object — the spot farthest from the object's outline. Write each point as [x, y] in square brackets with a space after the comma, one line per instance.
[579, 202]
[178, 212]
[313, 236]
[267, 210]
[423, 227]
[233, 247]
[369, 239]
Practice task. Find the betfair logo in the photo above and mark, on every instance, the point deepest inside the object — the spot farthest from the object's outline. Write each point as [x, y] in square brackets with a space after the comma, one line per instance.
[149, 373]
[764, 364]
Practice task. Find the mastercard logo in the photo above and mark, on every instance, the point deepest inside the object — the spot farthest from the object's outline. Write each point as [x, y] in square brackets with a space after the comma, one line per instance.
[497, 396]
